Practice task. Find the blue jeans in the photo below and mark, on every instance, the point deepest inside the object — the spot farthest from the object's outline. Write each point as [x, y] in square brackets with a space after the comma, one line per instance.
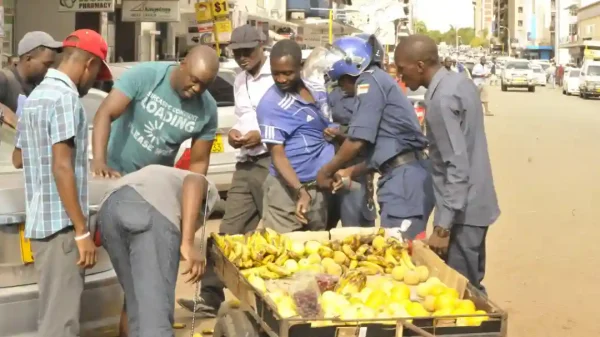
[143, 247]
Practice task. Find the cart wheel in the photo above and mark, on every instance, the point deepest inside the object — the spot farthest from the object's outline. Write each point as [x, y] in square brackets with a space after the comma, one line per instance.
[234, 322]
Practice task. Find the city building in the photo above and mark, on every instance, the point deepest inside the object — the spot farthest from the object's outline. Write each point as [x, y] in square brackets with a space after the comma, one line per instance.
[483, 16]
[567, 29]
[585, 44]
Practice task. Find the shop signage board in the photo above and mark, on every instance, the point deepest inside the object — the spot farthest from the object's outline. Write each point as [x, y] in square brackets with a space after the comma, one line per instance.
[86, 5]
[151, 11]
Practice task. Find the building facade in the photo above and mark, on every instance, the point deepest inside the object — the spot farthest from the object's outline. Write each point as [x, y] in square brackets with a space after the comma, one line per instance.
[583, 41]
[483, 17]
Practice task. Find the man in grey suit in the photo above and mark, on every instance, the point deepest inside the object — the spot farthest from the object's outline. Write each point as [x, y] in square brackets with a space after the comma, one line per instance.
[466, 202]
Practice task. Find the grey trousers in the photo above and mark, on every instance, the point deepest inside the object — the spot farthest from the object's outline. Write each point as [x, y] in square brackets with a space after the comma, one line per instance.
[60, 282]
[280, 208]
[466, 252]
[143, 247]
[244, 206]
[243, 211]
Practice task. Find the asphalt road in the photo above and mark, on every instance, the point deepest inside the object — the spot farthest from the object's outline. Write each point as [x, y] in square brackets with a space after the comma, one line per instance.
[542, 252]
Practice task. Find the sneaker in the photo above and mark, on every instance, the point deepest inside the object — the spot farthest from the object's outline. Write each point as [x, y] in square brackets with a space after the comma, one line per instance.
[203, 308]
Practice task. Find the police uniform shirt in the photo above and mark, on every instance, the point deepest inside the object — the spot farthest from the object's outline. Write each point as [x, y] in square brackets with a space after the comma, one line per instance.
[385, 118]
[287, 119]
[341, 106]
[458, 150]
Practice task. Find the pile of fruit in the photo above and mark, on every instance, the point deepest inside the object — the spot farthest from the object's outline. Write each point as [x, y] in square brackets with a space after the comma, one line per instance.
[359, 277]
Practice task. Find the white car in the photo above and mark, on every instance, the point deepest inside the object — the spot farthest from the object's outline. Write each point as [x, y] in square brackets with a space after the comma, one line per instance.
[223, 157]
[539, 76]
[571, 82]
[517, 74]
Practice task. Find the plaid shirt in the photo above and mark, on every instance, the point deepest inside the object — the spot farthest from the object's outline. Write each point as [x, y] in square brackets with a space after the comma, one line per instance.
[51, 114]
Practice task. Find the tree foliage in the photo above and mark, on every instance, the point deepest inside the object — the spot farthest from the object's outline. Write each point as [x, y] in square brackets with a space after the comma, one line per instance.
[465, 35]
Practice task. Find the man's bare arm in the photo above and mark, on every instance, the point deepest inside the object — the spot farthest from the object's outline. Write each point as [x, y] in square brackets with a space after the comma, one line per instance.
[113, 107]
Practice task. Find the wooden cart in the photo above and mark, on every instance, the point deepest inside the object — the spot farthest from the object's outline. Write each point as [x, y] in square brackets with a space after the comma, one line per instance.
[255, 315]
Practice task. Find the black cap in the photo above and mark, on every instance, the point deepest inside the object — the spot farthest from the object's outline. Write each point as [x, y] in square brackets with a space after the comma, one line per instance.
[245, 36]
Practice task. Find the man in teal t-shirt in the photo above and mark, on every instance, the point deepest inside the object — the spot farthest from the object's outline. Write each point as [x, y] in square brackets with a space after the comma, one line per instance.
[154, 107]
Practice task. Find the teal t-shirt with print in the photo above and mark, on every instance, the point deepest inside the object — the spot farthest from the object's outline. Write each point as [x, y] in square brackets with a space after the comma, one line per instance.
[157, 119]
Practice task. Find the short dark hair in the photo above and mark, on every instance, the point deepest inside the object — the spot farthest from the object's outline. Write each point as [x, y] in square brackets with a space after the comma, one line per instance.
[287, 48]
[74, 53]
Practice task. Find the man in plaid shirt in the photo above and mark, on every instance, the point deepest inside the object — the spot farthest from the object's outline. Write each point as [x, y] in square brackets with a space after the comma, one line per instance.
[54, 141]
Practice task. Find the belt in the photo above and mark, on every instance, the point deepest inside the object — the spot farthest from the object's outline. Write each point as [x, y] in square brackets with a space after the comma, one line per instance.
[254, 159]
[399, 160]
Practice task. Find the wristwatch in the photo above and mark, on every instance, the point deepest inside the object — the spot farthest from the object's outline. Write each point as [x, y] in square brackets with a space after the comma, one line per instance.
[441, 232]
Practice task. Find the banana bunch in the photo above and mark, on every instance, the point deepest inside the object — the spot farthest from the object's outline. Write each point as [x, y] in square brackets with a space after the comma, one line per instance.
[262, 252]
[371, 254]
[352, 282]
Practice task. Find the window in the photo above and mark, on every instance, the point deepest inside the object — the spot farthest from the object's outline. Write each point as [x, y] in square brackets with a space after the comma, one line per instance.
[593, 71]
[520, 10]
[589, 29]
[222, 88]
[520, 23]
[537, 70]
[517, 65]
[574, 73]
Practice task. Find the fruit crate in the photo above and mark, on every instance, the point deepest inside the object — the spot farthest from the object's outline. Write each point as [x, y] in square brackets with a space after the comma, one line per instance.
[266, 316]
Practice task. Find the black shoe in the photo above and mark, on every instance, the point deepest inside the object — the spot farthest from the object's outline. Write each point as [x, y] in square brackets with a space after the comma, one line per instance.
[203, 308]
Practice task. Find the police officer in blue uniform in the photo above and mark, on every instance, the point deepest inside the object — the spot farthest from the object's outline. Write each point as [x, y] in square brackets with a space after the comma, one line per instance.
[353, 206]
[385, 126]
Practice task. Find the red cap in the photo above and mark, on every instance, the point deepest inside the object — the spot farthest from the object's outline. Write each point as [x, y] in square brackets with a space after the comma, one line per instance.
[93, 43]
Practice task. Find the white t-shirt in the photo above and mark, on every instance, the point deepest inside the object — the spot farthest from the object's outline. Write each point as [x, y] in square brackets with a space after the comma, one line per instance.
[479, 70]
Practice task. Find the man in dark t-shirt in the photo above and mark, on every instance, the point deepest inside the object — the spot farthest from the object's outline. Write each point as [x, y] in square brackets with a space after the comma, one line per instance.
[36, 51]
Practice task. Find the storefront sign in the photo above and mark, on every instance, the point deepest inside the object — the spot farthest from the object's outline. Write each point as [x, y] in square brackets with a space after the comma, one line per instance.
[151, 11]
[86, 5]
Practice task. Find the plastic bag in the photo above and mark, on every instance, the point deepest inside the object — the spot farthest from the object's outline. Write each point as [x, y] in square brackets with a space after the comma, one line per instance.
[326, 282]
[305, 293]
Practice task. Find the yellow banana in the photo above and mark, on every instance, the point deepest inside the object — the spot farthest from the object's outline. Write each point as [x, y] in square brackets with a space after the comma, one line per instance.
[268, 275]
[279, 270]
[281, 259]
[270, 249]
[362, 249]
[348, 251]
[373, 267]
[353, 264]
[377, 260]
[268, 259]
[325, 252]
[389, 257]
[406, 260]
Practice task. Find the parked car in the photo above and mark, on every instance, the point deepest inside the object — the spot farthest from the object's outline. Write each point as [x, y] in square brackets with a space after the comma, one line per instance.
[589, 79]
[517, 74]
[571, 82]
[102, 296]
[539, 76]
[223, 158]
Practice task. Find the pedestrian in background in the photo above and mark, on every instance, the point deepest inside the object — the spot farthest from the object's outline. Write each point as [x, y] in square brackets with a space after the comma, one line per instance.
[466, 202]
[293, 115]
[54, 140]
[147, 221]
[551, 75]
[480, 74]
[244, 205]
[493, 75]
[385, 126]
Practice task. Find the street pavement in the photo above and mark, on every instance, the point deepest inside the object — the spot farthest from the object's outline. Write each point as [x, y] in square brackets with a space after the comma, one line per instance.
[542, 252]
